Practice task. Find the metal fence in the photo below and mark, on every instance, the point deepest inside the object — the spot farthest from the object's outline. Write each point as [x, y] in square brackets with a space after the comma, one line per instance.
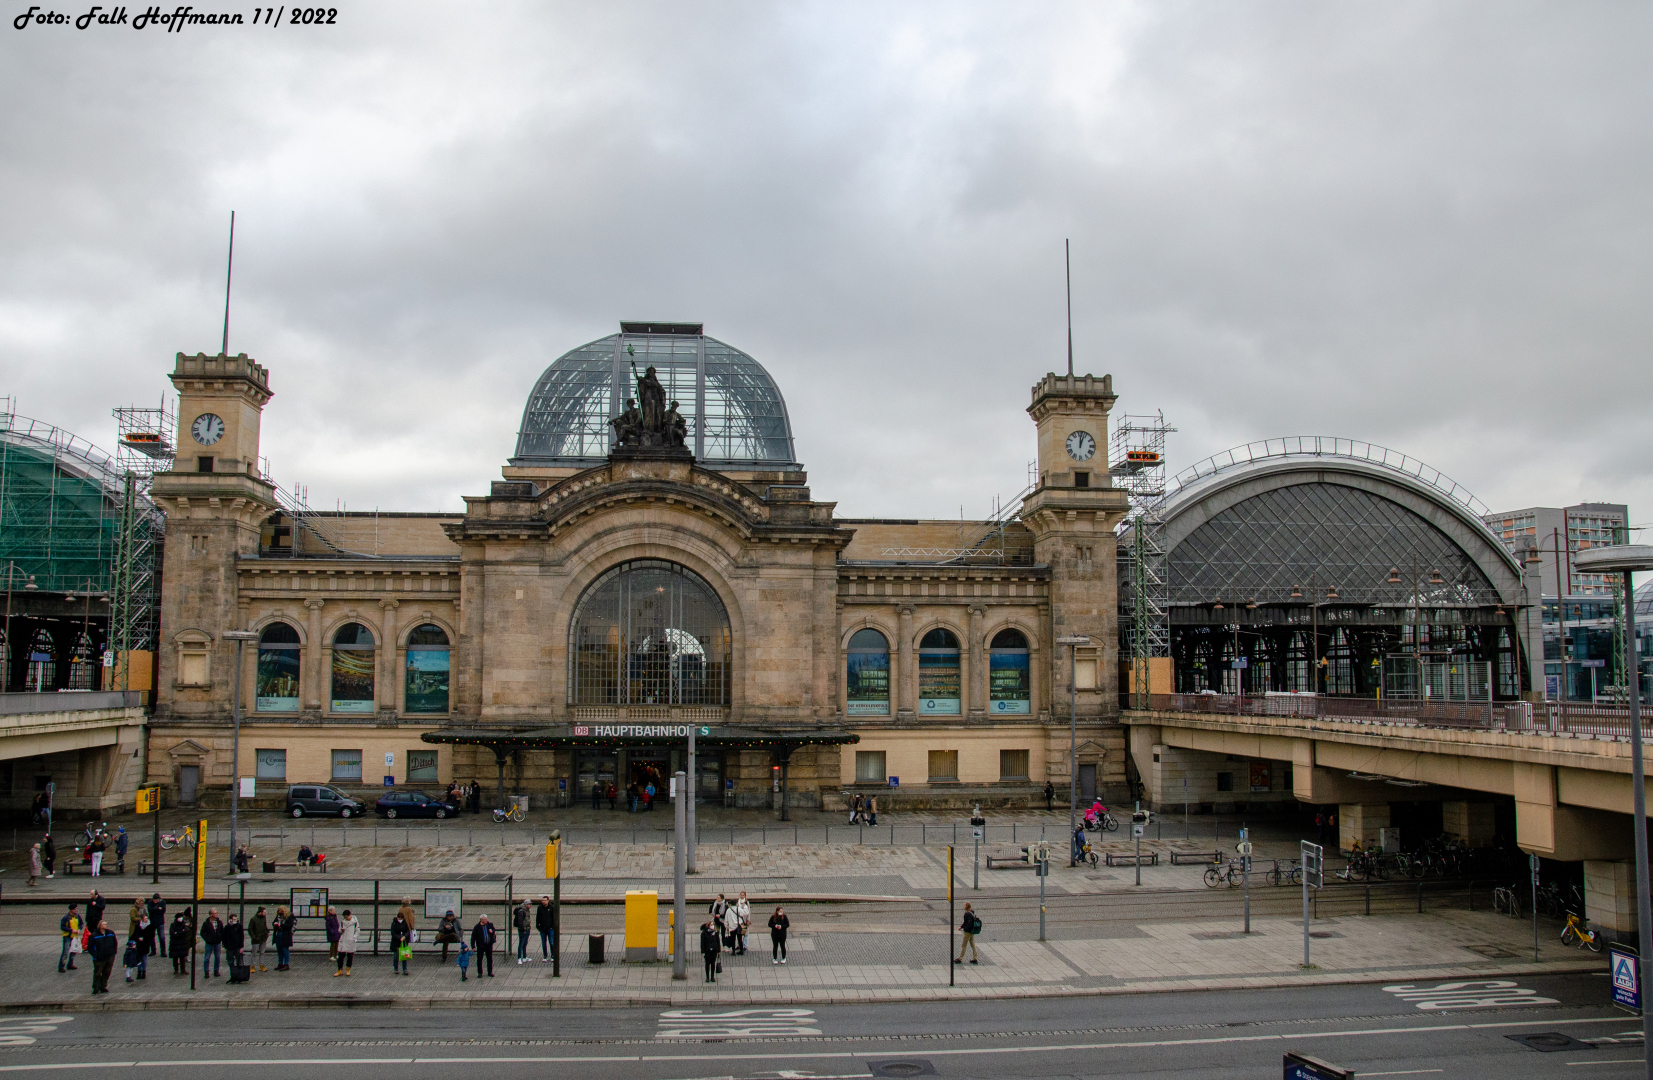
[1577, 718]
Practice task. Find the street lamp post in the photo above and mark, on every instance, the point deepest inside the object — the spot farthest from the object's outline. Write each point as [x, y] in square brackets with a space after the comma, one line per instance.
[1073, 641]
[240, 637]
[1625, 560]
[28, 586]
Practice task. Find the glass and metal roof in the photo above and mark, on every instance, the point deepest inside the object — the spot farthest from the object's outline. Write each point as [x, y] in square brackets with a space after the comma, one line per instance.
[736, 416]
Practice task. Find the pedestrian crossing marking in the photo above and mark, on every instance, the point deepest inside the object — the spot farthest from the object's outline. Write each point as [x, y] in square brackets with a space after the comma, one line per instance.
[736, 1024]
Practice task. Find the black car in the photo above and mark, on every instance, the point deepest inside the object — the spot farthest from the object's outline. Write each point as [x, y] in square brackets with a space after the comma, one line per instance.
[414, 804]
[320, 799]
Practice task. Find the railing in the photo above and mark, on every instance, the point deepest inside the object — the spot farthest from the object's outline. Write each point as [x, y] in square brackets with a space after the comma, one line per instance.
[69, 701]
[1554, 718]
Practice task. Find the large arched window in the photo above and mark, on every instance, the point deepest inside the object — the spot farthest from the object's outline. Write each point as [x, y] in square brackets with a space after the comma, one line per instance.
[353, 655]
[1008, 686]
[41, 675]
[867, 663]
[83, 670]
[938, 673]
[278, 668]
[427, 671]
[650, 632]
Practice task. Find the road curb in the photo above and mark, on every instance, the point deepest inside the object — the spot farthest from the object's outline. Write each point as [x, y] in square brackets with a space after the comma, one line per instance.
[773, 997]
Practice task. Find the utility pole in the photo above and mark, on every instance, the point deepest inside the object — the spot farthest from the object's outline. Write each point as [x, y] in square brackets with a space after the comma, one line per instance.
[1073, 641]
[694, 784]
[680, 885]
[240, 637]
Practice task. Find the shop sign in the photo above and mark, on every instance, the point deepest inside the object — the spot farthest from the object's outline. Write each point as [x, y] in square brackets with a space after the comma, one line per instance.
[638, 731]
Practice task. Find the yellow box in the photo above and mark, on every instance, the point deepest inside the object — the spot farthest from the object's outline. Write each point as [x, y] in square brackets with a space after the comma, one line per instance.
[552, 861]
[642, 925]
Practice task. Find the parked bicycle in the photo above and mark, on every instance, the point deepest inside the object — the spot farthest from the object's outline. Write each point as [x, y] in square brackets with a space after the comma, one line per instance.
[1576, 933]
[1291, 872]
[170, 840]
[515, 813]
[1506, 900]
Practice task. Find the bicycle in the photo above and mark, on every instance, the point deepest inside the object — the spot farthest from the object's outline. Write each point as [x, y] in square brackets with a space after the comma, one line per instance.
[1088, 854]
[1292, 873]
[1506, 901]
[1576, 931]
[172, 840]
[515, 813]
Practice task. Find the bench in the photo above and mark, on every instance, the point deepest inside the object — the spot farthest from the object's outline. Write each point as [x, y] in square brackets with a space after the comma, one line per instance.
[167, 867]
[268, 867]
[1178, 858]
[1147, 858]
[108, 869]
[1006, 858]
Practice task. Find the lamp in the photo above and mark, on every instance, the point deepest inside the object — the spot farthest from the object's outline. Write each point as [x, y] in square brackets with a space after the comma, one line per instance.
[240, 637]
[1394, 575]
[1331, 593]
[1625, 560]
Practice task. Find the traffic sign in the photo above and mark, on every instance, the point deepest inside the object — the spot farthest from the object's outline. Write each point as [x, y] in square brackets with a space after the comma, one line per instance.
[1243, 847]
[1138, 830]
[1625, 966]
[976, 832]
[1303, 1067]
[1314, 865]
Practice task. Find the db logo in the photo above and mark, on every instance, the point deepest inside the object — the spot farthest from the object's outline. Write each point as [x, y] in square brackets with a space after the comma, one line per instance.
[579, 730]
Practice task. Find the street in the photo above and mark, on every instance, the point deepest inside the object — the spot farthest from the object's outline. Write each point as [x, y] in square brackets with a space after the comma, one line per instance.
[1467, 1031]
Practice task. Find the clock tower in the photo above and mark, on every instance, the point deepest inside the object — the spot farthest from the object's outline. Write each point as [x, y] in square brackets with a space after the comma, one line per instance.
[1072, 515]
[214, 500]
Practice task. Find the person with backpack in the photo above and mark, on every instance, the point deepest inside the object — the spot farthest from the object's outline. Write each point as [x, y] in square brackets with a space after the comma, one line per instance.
[180, 936]
[333, 930]
[778, 924]
[969, 926]
[523, 920]
[281, 936]
[482, 944]
[71, 926]
[104, 947]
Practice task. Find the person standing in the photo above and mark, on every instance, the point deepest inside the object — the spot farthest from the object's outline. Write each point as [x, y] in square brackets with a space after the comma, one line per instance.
[157, 918]
[596, 794]
[1050, 795]
[778, 924]
[731, 928]
[71, 926]
[281, 936]
[464, 961]
[258, 932]
[35, 865]
[95, 907]
[709, 948]
[212, 938]
[134, 915]
[180, 937]
[545, 923]
[872, 809]
[401, 949]
[95, 850]
[350, 929]
[235, 943]
[482, 943]
[523, 920]
[333, 929]
[48, 855]
[137, 949]
[743, 913]
[613, 794]
[447, 933]
[104, 947]
[969, 926]
[121, 842]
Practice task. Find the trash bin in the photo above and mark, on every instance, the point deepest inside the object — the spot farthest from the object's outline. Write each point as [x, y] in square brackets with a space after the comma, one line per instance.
[269, 868]
[594, 945]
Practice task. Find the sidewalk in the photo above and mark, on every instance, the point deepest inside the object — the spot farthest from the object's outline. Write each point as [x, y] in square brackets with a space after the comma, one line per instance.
[846, 963]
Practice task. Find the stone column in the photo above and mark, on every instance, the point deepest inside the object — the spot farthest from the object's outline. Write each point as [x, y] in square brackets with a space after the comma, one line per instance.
[389, 685]
[908, 674]
[1360, 821]
[1471, 822]
[975, 698]
[1610, 897]
[312, 655]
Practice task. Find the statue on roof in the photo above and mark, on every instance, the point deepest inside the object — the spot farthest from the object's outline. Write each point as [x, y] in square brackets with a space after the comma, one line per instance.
[677, 428]
[653, 398]
[628, 426]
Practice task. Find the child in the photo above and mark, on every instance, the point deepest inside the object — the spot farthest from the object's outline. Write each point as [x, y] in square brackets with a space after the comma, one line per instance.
[464, 960]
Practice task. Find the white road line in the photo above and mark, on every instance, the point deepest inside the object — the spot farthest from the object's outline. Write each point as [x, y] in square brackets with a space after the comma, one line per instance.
[821, 1055]
[1615, 1061]
[1403, 1072]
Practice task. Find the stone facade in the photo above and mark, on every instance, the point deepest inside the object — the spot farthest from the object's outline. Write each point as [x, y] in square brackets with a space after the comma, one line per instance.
[502, 582]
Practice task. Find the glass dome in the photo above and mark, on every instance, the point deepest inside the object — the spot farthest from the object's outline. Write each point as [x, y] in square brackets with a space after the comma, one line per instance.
[736, 416]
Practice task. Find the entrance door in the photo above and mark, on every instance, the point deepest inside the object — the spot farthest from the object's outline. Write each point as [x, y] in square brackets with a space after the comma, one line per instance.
[1087, 783]
[189, 778]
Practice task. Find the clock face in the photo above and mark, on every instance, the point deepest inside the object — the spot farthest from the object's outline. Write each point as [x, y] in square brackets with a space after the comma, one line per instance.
[1081, 446]
[209, 428]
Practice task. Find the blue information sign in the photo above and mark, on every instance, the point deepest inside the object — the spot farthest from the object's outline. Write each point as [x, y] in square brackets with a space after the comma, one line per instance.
[1304, 1067]
[895, 781]
[1625, 967]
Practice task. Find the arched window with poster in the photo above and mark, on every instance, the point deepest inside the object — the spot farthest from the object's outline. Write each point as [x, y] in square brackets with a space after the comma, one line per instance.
[867, 674]
[938, 673]
[1009, 689]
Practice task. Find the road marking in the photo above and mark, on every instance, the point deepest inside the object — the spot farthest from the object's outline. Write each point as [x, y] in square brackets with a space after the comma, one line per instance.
[1403, 1072]
[736, 1024]
[21, 1030]
[1615, 1061]
[1479, 994]
[820, 1055]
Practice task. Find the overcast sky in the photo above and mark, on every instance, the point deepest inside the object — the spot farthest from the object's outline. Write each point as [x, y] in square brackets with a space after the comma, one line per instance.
[1424, 225]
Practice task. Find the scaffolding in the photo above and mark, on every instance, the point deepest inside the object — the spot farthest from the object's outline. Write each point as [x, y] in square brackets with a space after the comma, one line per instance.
[999, 539]
[1136, 464]
[145, 441]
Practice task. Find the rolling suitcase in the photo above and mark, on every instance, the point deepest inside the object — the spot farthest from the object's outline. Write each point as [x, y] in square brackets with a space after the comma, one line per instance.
[240, 973]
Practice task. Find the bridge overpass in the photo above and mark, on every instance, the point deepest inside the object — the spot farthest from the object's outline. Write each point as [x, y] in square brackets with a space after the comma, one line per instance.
[1561, 772]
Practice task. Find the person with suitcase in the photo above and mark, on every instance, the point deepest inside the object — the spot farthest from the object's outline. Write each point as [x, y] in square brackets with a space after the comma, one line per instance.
[235, 944]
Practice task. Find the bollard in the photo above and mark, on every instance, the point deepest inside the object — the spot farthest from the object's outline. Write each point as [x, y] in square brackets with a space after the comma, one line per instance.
[1368, 899]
